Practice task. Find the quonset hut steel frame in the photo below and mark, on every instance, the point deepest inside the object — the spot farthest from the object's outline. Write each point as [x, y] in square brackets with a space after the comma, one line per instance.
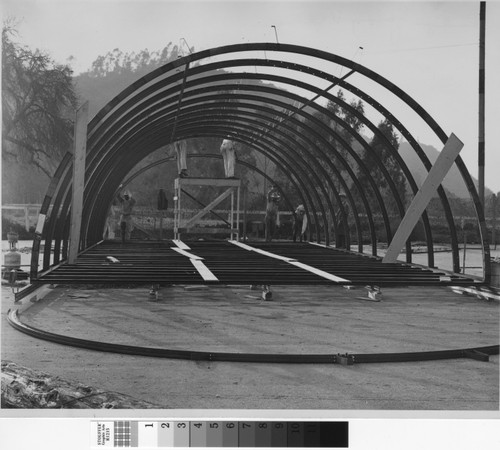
[210, 94]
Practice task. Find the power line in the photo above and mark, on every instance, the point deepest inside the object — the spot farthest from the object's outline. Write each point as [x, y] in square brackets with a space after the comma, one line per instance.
[425, 48]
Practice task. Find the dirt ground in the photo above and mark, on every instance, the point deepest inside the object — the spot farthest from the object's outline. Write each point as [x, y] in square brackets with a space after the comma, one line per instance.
[305, 320]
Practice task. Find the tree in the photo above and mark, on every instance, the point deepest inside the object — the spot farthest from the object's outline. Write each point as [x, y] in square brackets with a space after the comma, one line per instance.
[37, 100]
[379, 146]
[352, 121]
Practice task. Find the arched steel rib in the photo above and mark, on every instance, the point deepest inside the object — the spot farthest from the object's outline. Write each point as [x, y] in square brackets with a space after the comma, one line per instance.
[304, 358]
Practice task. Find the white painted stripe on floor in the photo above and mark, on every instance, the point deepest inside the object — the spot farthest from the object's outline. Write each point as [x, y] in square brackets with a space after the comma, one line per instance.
[183, 252]
[180, 244]
[240, 244]
[203, 270]
[320, 245]
[296, 263]
[262, 252]
[319, 272]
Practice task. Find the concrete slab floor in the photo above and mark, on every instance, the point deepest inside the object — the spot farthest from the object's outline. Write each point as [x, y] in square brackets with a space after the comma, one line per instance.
[305, 319]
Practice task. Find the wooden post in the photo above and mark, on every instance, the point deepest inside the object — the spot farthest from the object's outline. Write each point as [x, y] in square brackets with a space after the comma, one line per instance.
[436, 175]
[494, 199]
[79, 153]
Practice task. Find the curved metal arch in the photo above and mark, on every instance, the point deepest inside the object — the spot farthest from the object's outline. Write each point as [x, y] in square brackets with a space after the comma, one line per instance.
[211, 156]
[366, 72]
[387, 177]
[249, 116]
[101, 223]
[375, 191]
[311, 118]
[329, 162]
[131, 164]
[290, 49]
[273, 111]
[352, 204]
[325, 56]
[296, 170]
[148, 129]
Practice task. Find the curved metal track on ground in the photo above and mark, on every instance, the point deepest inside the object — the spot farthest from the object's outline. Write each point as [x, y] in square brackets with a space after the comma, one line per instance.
[264, 95]
[478, 353]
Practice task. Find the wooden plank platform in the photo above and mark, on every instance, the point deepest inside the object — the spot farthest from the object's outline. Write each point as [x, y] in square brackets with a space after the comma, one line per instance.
[157, 262]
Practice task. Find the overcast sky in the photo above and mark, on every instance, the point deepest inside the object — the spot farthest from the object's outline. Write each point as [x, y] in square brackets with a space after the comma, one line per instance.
[428, 49]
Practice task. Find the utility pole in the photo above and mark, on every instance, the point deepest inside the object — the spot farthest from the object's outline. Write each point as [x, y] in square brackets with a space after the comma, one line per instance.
[481, 158]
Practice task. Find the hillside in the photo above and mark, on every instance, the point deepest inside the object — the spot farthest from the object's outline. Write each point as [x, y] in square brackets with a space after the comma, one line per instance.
[112, 73]
[453, 181]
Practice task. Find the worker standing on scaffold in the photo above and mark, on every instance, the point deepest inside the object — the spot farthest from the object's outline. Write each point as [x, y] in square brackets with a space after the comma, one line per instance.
[126, 221]
[181, 151]
[272, 212]
[228, 151]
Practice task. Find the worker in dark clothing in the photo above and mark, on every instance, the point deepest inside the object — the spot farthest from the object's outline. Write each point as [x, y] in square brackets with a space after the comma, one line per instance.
[341, 229]
[272, 212]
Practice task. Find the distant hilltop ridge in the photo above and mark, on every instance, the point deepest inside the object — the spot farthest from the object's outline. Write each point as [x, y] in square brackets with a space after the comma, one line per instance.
[453, 182]
[22, 183]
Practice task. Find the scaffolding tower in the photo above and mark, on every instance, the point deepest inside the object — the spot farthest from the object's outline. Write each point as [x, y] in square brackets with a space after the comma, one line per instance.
[191, 225]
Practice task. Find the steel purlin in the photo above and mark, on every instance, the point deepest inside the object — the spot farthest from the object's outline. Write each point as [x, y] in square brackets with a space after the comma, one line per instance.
[338, 138]
[131, 164]
[344, 105]
[148, 115]
[394, 190]
[273, 158]
[326, 112]
[214, 156]
[320, 52]
[347, 167]
[323, 172]
[166, 132]
[375, 77]
[390, 86]
[287, 136]
[327, 178]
